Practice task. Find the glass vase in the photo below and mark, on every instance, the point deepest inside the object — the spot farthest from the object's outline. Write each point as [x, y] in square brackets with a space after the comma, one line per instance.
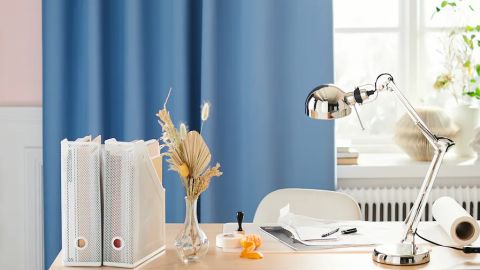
[191, 242]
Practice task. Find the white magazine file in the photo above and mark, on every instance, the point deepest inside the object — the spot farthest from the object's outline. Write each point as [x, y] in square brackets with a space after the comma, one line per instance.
[81, 202]
[134, 203]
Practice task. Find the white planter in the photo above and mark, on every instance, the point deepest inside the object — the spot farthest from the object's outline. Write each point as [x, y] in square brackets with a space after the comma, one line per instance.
[467, 118]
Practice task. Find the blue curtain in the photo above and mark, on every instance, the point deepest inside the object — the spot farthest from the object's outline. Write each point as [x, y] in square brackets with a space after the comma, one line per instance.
[108, 65]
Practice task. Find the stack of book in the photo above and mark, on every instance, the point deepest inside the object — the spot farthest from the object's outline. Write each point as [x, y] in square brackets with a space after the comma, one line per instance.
[347, 155]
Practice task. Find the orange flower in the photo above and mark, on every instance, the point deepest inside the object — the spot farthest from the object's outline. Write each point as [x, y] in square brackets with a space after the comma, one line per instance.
[183, 170]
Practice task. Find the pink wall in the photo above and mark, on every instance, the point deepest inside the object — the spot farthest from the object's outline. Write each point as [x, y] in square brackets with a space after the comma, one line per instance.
[20, 52]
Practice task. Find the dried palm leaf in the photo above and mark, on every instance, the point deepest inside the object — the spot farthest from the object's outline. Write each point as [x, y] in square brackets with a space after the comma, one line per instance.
[195, 153]
[188, 153]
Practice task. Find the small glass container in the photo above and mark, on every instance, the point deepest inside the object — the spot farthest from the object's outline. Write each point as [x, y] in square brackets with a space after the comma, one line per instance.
[191, 242]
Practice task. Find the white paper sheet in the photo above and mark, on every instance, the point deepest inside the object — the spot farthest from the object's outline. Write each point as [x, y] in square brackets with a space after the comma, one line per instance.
[309, 233]
[309, 230]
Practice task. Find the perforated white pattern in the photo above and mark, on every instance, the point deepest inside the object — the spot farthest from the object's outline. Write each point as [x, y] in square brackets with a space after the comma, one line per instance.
[81, 203]
[134, 205]
[118, 183]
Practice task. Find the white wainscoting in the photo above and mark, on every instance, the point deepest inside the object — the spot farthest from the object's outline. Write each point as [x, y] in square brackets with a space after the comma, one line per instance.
[21, 192]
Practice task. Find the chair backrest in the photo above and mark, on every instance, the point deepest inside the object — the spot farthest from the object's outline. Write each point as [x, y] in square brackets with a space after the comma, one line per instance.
[321, 204]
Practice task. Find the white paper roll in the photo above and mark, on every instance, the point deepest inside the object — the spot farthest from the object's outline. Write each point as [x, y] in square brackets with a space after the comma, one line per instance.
[228, 240]
[462, 228]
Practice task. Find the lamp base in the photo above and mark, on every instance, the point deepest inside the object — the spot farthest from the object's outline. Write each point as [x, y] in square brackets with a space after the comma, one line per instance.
[401, 254]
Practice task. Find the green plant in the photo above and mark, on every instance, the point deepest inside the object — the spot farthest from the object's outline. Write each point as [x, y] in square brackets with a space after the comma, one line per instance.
[461, 75]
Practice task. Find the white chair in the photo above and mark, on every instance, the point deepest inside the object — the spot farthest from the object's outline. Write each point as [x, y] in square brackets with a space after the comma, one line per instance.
[321, 204]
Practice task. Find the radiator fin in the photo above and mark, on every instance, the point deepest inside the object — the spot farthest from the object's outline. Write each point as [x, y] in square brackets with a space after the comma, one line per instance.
[394, 203]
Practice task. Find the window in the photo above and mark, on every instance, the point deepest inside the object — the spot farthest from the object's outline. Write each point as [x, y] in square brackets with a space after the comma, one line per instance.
[396, 36]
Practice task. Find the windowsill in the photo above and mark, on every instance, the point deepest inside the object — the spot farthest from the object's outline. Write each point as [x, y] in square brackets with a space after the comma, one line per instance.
[398, 165]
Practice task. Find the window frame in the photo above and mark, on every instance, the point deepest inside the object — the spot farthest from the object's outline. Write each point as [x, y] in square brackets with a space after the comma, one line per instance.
[412, 33]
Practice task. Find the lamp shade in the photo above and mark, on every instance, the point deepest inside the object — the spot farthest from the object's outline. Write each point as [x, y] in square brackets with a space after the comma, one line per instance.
[326, 102]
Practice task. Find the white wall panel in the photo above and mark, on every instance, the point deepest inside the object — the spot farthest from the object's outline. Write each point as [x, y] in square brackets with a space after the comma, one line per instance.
[21, 202]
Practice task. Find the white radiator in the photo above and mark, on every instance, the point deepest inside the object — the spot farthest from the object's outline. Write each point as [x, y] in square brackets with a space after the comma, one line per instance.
[393, 203]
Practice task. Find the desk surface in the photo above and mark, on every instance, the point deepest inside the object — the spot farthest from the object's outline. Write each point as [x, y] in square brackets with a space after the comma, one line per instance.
[441, 258]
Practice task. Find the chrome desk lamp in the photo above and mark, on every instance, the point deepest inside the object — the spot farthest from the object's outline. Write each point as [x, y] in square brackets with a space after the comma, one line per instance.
[328, 102]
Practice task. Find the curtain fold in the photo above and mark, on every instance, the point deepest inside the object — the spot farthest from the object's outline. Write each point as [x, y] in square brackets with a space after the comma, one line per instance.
[108, 65]
[259, 61]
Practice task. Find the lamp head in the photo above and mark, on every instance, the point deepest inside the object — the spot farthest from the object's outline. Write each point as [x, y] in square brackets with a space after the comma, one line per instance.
[327, 102]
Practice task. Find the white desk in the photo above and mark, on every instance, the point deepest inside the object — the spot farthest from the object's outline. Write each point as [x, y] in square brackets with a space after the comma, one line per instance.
[358, 258]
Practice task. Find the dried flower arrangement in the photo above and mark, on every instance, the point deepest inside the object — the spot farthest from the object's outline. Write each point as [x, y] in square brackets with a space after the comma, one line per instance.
[188, 153]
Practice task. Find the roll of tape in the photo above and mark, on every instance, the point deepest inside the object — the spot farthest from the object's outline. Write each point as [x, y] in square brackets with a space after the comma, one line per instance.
[228, 240]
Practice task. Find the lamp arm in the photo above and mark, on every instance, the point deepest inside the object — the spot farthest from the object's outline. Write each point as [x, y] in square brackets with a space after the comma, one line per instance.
[389, 84]
[441, 146]
[413, 218]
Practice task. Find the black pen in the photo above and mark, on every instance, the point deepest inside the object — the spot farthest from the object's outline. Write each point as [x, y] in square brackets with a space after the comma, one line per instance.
[348, 231]
[330, 233]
